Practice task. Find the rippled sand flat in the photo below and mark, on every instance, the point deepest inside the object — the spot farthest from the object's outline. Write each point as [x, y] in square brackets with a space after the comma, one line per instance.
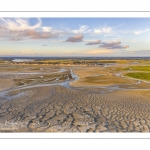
[59, 109]
[72, 99]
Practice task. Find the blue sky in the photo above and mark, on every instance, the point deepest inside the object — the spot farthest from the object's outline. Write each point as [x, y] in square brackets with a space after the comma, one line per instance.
[75, 37]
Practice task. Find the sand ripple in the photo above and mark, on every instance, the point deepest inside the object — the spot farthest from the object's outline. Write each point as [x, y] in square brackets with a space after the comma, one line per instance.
[58, 109]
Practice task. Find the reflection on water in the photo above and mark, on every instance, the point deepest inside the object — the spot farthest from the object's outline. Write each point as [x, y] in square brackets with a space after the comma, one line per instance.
[58, 83]
[22, 60]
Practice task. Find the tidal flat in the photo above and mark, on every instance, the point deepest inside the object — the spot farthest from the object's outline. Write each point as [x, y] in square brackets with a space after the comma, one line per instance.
[75, 95]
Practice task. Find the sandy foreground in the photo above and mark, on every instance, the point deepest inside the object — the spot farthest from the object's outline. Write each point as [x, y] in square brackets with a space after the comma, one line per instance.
[59, 109]
[101, 100]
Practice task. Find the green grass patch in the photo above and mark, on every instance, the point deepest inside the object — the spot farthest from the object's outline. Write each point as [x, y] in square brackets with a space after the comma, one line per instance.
[136, 68]
[140, 68]
[139, 75]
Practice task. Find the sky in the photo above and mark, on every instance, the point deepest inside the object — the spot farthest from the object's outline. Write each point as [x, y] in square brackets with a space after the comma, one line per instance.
[100, 37]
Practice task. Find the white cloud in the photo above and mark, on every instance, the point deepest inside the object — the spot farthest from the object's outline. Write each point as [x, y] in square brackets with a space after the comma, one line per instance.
[141, 31]
[82, 29]
[19, 24]
[102, 30]
[86, 29]
[47, 29]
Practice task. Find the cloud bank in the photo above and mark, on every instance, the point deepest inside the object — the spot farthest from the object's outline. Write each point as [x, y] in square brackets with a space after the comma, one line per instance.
[20, 29]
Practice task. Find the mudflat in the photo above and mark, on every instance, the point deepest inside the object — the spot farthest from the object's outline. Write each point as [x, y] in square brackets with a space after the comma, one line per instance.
[74, 98]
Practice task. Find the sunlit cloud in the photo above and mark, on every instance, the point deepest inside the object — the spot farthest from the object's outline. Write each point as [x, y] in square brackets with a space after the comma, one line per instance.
[20, 29]
[99, 51]
[113, 45]
[47, 29]
[76, 38]
[33, 34]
